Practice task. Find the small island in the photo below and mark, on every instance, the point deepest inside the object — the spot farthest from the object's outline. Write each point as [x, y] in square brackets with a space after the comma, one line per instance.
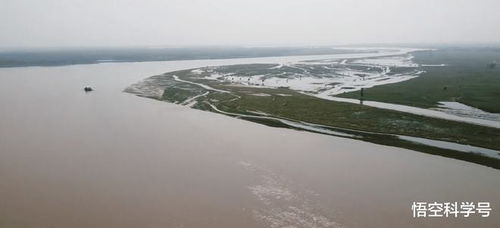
[419, 95]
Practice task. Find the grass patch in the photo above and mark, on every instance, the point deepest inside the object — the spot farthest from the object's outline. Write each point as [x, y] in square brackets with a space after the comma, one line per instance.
[358, 117]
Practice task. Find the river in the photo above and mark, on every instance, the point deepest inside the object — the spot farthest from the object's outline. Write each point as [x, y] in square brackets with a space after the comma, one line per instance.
[112, 159]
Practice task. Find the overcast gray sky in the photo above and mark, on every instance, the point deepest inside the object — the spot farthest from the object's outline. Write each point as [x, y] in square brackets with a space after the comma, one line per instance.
[27, 23]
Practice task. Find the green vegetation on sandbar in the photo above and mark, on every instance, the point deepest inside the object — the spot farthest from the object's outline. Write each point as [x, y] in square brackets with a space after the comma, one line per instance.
[352, 116]
[468, 77]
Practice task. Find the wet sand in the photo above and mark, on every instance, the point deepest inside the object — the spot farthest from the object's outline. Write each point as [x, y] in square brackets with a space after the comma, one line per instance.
[111, 159]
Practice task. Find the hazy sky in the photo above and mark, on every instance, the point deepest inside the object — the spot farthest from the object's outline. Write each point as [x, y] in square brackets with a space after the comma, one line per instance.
[26, 23]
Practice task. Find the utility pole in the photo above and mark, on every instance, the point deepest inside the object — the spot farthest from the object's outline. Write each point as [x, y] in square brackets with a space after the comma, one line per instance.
[361, 98]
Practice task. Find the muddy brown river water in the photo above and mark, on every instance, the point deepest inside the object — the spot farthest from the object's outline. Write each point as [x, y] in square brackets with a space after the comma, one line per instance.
[112, 159]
